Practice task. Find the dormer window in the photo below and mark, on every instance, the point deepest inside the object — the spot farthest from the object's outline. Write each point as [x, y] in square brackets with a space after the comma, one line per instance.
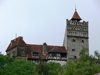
[35, 54]
[73, 40]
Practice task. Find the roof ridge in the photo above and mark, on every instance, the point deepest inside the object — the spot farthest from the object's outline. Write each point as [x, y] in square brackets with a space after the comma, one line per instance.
[47, 45]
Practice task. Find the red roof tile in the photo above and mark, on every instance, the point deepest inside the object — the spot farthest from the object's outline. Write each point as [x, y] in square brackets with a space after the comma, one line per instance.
[18, 41]
[36, 48]
[39, 48]
[76, 16]
[58, 49]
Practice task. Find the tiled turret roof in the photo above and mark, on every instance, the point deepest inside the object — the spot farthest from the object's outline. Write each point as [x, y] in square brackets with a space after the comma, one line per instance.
[76, 16]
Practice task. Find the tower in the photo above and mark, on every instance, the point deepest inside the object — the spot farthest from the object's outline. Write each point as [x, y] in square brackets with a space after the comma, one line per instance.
[76, 36]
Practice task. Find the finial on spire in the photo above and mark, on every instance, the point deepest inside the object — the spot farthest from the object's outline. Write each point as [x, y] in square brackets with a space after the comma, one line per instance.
[16, 35]
[75, 7]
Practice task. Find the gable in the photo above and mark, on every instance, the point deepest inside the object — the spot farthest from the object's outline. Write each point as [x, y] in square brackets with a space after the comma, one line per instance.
[16, 42]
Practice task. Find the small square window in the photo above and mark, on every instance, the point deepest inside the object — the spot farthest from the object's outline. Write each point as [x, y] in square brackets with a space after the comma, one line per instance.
[82, 41]
[73, 49]
[73, 40]
[75, 57]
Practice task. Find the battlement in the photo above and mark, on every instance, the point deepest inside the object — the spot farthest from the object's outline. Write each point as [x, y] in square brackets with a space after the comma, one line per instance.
[75, 22]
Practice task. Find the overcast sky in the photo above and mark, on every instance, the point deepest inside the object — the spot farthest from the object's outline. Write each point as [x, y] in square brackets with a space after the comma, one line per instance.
[40, 21]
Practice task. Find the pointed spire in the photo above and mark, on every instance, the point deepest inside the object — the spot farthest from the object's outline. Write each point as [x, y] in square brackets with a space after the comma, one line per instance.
[75, 7]
[76, 16]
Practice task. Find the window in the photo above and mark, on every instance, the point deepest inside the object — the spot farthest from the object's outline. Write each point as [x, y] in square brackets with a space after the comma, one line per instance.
[73, 40]
[73, 49]
[35, 54]
[75, 57]
[53, 54]
[63, 55]
[8, 55]
[13, 54]
[23, 52]
[82, 41]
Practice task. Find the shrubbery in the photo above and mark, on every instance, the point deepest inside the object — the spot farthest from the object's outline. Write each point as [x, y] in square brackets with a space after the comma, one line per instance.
[86, 65]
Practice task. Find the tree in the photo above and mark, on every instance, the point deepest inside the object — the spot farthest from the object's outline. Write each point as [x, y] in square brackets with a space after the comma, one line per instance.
[55, 68]
[18, 67]
[83, 66]
[4, 60]
[86, 58]
[41, 67]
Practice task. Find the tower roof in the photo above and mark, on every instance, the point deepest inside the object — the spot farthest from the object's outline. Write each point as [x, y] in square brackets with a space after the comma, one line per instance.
[76, 16]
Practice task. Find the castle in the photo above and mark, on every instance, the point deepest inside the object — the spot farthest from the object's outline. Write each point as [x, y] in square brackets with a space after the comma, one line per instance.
[76, 36]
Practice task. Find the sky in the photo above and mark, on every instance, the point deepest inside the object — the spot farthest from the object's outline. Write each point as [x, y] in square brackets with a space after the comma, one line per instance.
[40, 21]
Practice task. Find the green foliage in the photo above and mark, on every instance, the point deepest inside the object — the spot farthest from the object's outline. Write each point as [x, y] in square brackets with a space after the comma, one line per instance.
[84, 66]
[85, 57]
[53, 65]
[54, 68]
[41, 67]
[3, 59]
[97, 54]
[19, 67]
[80, 68]
[50, 68]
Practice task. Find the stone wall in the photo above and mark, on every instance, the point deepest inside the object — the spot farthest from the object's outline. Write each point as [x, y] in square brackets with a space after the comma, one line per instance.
[60, 62]
[76, 37]
[18, 52]
[12, 53]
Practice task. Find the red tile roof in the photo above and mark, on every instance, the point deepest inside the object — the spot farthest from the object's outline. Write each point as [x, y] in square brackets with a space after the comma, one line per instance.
[39, 48]
[16, 42]
[76, 16]
[35, 48]
[58, 49]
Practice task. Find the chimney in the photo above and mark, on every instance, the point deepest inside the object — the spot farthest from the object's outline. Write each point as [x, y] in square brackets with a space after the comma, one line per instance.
[44, 48]
[12, 41]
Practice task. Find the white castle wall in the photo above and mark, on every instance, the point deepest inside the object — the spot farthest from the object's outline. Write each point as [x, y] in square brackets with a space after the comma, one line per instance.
[60, 62]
